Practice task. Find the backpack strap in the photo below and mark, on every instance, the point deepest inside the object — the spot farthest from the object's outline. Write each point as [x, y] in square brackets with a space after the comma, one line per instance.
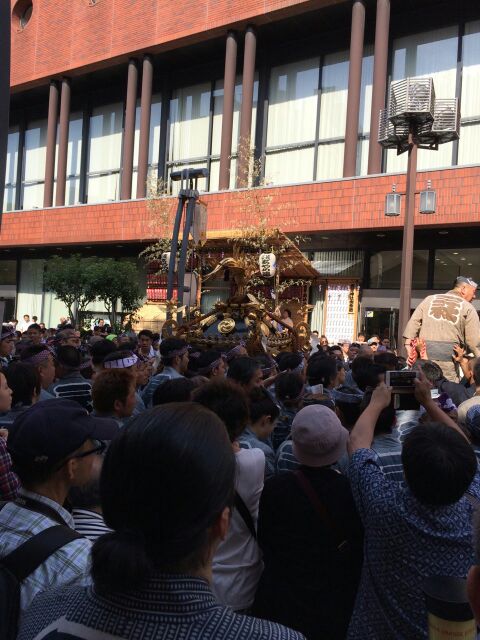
[245, 514]
[340, 540]
[31, 554]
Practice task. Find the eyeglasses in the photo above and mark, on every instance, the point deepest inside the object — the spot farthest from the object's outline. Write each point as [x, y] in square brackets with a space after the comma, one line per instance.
[99, 447]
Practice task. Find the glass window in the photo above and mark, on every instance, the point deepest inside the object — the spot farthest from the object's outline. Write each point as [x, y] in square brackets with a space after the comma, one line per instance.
[385, 268]
[365, 112]
[11, 169]
[470, 129]
[154, 141]
[189, 123]
[333, 113]
[104, 153]
[292, 116]
[345, 264]
[74, 158]
[34, 165]
[8, 273]
[431, 54]
[451, 263]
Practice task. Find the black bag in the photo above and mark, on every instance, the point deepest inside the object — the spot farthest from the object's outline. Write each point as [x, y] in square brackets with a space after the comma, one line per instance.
[19, 564]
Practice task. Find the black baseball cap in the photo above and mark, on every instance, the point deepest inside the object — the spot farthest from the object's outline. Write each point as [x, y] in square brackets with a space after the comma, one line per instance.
[50, 430]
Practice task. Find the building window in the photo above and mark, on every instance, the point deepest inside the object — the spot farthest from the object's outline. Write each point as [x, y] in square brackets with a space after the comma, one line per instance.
[385, 269]
[342, 264]
[34, 165]
[153, 143]
[26, 15]
[432, 54]
[292, 114]
[22, 13]
[74, 157]
[451, 263]
[365, 112]
[11, 169]
[104, 153]
[470, 130]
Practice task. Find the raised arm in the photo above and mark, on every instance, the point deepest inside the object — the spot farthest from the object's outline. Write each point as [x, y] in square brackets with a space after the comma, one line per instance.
[414, 324]
[423, 395]
[361, 436]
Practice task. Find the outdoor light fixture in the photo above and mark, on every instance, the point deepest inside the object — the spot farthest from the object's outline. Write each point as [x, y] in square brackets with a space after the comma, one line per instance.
[392, 202]
[428, 199]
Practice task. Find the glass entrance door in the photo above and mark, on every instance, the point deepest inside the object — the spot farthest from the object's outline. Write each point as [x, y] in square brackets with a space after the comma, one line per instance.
[381, 322]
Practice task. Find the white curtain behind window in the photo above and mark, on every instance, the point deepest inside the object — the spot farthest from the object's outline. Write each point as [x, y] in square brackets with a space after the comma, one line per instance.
[74, 159]
[333, 113]
[468, 150]
[154, 140]
[11, 169]
[432, 54]
[105, 150]
[34, 164]
[365, 111]
[189, 122]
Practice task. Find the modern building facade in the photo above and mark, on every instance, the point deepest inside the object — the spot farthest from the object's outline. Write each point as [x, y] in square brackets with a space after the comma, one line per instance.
[110, 96]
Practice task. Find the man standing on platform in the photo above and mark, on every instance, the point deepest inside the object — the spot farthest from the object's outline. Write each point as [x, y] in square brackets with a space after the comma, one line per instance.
[446, 319]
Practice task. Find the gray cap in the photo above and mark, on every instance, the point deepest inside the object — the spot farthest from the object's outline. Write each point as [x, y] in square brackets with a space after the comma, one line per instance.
[466, 280]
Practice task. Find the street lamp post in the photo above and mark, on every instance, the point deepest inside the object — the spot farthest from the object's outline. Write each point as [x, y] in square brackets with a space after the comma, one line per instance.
[414, 119]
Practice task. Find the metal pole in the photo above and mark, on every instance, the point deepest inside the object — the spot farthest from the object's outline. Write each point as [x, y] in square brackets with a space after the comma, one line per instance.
[408, 237]
[129, 133]
[5, 8]
[51, 144]
[228, 104]
[380, 62]
[173, 254]
[145, 115]
[246, 108]
[63, 143]
[183, 251]
[354, 88]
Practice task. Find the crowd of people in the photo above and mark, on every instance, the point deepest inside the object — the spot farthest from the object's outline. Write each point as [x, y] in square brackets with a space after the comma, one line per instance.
[162, 492]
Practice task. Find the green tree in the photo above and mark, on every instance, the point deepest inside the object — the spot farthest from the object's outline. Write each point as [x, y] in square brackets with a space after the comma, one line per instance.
[115, 282]
[68, 279]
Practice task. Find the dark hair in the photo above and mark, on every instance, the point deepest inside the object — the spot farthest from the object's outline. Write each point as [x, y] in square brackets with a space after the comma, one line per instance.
[333, 348]
[288, 312]
[386, 359]
[439, 464]
[366, 373]
[476, 372]
[288, 360]
[261, 404]
[110, 385]
[205, 360]
[69, 357]
[288, 388]
[100, 350]
[348, 412]
[229, 401]
[386, 419]
[166, 478]
[24, 381]
[321, 370]
[35, 326]
[167, 346]
[147, 333]
[175, 390]
[243, 369]
[431, 370]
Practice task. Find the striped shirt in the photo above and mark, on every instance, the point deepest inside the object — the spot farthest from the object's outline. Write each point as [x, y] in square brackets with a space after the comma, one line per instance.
[179, 607]
[73, 386]
[89, 524]
[69, 565]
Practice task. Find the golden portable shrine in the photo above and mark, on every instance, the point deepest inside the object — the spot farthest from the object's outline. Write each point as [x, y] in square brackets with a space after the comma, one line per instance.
[259, 284]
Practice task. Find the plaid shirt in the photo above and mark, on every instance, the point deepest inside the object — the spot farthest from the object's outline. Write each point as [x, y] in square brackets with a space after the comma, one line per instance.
[9, 483]
[67, 566]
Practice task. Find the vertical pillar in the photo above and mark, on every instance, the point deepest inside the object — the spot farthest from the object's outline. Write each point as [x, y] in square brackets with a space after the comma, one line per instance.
[408, 238]
[354, 88]
[228, 104]
[4, 93]
[63, 143]
[51, 143]
[246, 108]
[145, 114]
[380, 61]
[129, 131]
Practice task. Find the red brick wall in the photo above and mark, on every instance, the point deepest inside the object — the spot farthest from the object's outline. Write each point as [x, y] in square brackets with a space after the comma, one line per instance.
[323, 206]
[67, 35]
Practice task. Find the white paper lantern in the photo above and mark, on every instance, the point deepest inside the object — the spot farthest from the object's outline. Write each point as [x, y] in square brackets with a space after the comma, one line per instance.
[268, 265]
